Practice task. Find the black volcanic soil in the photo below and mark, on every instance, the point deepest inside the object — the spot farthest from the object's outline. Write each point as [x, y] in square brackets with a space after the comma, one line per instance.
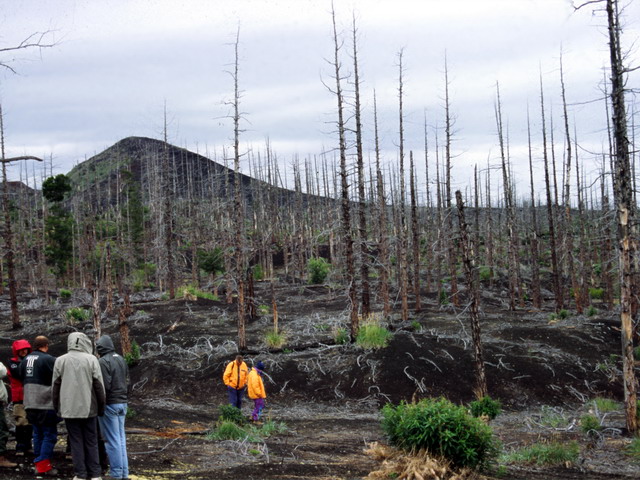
[329, 395]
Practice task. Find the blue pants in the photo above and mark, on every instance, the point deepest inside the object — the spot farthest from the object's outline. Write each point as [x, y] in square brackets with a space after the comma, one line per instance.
[45, 433]
[112, 428]
[235, 397]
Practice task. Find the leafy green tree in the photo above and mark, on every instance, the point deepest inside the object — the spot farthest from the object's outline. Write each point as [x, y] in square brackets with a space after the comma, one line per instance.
[58, 224]
[55, 188]
[133, 211]
[212, 262]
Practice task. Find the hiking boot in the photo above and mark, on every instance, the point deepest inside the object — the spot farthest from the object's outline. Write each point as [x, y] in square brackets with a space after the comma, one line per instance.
[5, 463]
[50, 473]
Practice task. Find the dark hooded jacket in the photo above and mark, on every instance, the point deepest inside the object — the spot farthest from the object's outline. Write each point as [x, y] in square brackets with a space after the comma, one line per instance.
[115, 373]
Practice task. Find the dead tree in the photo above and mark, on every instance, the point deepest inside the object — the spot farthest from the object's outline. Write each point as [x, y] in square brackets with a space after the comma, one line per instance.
[169, 241]
[362, 217]
[555, 268]
[383, 241]
[536, 296]
[509, 207]
[627, 241]
[568, 227]
[452, 254]
[402, 234]
[415, 235]
[345, 223]
[471, 273]
[8, 233]
[238, 219]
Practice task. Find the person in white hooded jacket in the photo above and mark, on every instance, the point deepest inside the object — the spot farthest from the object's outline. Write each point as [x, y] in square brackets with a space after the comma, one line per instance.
[79, 397]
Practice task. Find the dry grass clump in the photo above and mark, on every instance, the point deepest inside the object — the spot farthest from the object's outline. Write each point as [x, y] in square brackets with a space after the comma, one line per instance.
[414, 466]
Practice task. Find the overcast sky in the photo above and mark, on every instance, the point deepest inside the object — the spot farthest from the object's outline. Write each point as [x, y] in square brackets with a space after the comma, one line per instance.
[116, 63]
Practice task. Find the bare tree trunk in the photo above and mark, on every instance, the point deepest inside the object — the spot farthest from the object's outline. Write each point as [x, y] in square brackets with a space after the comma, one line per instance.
[449, 211]
[402, 234]
[624, 199]
[362, 218]
[510, 210]
[344, 195]
[238, 206]
[383, 241]
[536, 295]
[555, 269]
[471, 272]
[169, 240]
[415, 236]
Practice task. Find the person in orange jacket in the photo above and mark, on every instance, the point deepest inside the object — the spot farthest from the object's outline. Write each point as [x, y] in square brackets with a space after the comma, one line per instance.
[256, 390]
[235, 378]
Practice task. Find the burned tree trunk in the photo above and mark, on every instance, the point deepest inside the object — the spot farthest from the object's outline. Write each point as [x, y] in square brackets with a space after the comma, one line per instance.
[471, 273]
[627, 246]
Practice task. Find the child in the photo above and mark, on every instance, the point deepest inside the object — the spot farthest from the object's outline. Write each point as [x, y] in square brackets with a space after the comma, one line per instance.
[256, 390]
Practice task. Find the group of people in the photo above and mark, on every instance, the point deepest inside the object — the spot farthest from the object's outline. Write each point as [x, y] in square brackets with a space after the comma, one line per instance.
[238, 378]
[89, 393]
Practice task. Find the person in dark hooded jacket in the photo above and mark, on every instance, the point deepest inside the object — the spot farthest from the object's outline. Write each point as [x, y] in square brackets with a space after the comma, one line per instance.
[115, 375]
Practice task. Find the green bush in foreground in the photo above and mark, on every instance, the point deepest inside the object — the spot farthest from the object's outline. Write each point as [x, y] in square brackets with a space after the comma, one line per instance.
[633, 449]
[372, 336]
[545, 454]
[486, 406]
[590, 423]
[231, 413]
[442, 429]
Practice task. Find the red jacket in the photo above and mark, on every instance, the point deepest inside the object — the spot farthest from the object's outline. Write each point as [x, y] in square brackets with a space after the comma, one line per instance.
[17, 392]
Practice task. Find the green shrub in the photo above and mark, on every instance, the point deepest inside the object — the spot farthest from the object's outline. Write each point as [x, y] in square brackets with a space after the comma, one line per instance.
[416, 325]
[596, 293]
[371, 335]
[605, 405]
[441, 428]
[562, 314]
[636, 353]
[633, 449]
[341, 336]
[591, 311]
[189, 291]
[318, 270]
[275, 339]
[545, 454]
[263, 309]
[590, 423]
[228, 430]
[131, 413]
[551, 417]
[231, 413]
[258, 273]
[133, 357]
[270, 428]
[486, 406]
[64, 293]
[444, 298]
[78, 314]
[484, 273]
